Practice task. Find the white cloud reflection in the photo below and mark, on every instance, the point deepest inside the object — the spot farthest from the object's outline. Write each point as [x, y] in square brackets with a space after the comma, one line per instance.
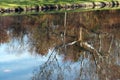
[7, 70]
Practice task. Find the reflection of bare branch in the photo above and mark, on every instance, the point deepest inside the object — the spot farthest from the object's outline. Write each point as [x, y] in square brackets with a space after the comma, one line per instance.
[49, 61]
[96, 63]
[109, 50]
[65, 31]
[45, 64]
[100, 43]
[81, 69]
[90, 48]
[80, 38]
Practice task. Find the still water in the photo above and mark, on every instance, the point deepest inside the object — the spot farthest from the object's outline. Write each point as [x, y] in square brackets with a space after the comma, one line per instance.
[61, 46]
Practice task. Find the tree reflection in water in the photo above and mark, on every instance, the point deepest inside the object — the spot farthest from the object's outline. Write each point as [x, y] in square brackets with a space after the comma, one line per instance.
[82, 46]
[57, 69]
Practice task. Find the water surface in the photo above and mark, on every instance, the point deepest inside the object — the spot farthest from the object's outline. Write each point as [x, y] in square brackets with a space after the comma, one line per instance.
[60, 46]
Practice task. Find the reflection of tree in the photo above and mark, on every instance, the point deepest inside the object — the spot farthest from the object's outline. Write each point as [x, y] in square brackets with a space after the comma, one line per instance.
[76, 34]
[107, 50]
[98, 55]
[3, 36]
[55, 70]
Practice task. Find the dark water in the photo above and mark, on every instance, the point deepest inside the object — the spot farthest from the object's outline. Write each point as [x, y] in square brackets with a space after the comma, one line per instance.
[61, 46]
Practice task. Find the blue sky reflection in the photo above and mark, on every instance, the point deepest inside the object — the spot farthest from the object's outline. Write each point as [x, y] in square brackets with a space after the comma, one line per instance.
[16, 62]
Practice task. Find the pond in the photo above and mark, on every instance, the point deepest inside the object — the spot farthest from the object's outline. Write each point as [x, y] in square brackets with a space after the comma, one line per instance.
[61, 46]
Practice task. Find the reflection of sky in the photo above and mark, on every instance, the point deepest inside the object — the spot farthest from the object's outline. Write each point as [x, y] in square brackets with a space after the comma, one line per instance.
[17, 62]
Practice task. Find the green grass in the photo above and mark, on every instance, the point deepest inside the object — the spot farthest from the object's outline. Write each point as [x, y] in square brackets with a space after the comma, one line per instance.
[22, 3]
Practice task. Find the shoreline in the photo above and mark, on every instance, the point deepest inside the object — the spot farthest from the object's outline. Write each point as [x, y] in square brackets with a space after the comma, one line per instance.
[89, 5]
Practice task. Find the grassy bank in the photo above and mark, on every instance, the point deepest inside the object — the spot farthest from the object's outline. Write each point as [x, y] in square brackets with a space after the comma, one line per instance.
[23, 3]
[26, 6]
